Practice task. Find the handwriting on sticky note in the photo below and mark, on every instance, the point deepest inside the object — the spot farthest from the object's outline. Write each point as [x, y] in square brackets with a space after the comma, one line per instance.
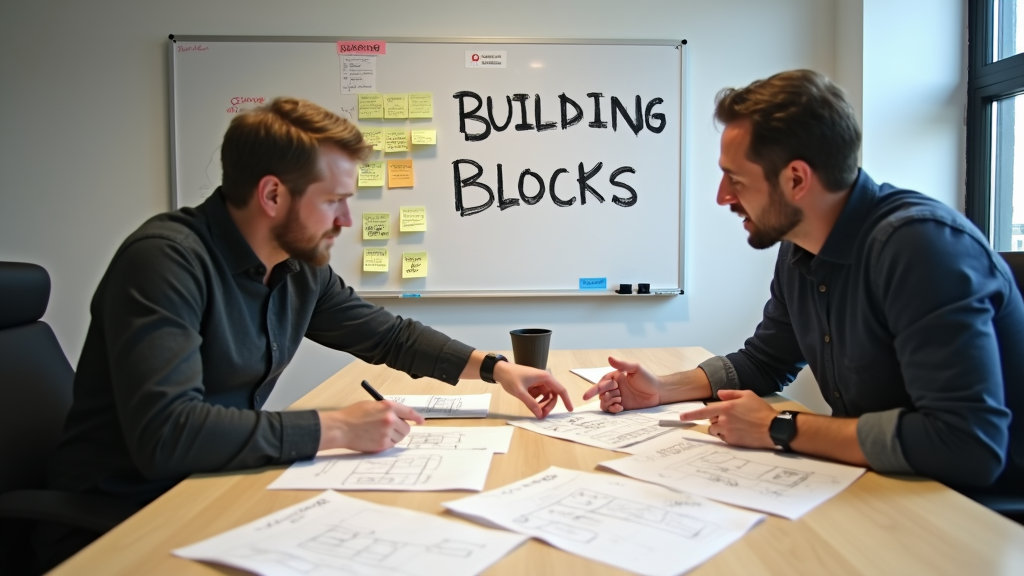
[371, 174]
[371, 106]
[396, 140]
[400, 173]
[424, 137]
[375, 259]
[396, 105]
[414, 264]
[413, 219]
[421, 105]
[374, 137]
[376, 225]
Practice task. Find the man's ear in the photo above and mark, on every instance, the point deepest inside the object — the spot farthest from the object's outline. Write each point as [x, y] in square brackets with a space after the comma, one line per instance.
[270, 192]
[796, 180]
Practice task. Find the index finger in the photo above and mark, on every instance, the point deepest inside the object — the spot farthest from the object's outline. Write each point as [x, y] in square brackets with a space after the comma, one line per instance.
[405, 413]
[702, 413]
[606, 383]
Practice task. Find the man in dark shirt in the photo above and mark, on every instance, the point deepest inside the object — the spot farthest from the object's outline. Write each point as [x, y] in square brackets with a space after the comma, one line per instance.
[202, 309]
[912, 325]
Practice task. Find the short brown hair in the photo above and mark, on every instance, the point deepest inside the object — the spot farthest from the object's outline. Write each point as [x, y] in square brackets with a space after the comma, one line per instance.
[797, 115]
[282, 139]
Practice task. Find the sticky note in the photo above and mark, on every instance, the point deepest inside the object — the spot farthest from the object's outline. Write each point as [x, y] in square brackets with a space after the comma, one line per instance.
[593, 283]
[396, 140]
[414, 264]
[371, 174]
[374, 137]
[424, 137]
[375, 259]
[400, 173]
[413, 219]
[375, 47]
[371, 106]
[421, 105]
[396, 105]
[376, 225]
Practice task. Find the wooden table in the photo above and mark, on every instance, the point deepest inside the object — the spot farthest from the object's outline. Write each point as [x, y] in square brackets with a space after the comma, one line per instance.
[880, 525]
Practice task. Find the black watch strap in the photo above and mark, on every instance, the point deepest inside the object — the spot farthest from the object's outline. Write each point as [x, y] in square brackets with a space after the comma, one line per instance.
[487, 366]
[783, 429]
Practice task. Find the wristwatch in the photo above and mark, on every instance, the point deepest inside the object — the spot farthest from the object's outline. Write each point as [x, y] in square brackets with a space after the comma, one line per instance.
[783, 429]
[487, 366]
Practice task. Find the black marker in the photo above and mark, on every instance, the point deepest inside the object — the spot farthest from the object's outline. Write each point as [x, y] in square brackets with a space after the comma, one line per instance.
[376, 395]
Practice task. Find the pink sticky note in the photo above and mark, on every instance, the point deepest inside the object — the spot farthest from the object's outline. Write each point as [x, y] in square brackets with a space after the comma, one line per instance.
[363, 47]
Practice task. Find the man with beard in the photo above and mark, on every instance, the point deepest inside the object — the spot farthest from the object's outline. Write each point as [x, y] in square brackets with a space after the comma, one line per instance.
[201, 310]
[912, 325]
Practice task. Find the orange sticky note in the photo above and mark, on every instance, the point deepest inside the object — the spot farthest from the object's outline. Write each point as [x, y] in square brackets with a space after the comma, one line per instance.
[400, 173]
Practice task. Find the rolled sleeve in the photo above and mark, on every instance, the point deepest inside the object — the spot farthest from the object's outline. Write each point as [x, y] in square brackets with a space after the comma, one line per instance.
[878, 435]
[721, 374]
[300, 435]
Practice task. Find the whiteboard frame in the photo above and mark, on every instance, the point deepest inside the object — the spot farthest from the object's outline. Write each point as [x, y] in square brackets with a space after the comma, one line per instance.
[683, 127]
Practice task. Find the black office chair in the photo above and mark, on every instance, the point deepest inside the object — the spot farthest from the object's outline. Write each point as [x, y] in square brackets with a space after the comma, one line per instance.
[35, 387]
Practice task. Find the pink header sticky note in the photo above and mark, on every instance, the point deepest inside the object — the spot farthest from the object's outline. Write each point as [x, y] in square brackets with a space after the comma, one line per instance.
[363, 47]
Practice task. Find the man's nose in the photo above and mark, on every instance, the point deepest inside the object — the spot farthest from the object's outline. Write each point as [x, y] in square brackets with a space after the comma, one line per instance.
[725, 195]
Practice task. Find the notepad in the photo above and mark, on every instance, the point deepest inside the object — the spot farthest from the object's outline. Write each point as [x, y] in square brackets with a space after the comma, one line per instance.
[446, 405]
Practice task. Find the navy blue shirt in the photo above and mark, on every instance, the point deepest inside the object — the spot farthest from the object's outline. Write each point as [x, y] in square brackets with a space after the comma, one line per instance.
[911, 323]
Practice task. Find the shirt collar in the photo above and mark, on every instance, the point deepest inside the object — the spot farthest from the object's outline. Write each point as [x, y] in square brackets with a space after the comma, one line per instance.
[231, 245]
[841, 240]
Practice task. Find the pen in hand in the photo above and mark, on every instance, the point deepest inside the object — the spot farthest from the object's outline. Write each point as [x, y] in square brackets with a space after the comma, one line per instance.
[376, 395]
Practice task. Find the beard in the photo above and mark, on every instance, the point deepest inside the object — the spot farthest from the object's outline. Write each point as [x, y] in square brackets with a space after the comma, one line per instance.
[775, 221]
[300, 243]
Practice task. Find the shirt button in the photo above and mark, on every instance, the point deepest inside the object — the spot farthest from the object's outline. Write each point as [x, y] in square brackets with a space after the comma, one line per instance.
[273, 346]
[827, 339]
[836, 393]
[821, 288]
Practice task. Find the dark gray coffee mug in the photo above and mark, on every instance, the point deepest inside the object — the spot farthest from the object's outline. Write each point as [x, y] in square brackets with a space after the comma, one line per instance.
[530, 346]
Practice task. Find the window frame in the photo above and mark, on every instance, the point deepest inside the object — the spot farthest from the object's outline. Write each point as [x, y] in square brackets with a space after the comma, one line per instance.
[987, 82]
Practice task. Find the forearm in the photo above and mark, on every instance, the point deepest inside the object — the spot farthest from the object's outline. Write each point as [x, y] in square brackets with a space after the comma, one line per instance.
[683, 386]
[472, 369]
[828, 437]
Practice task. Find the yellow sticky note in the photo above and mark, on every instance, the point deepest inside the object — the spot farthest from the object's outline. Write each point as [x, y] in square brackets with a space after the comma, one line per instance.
[371, 174]
[414, 264]
[375, 259]
[396, 105]
[421, 105]
[396, 140]
[424, 137]
[376, 225]
[413, 219]
[374, 137]
[371, 106]
[400, 173]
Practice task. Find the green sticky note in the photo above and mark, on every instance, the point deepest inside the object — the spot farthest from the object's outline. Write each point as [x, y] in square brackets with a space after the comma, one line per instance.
[371, 106]
[375, 259]
[396, 105]
[414, 264]
[376, 225]
[413, 219]
[421, 105]
[371, 174]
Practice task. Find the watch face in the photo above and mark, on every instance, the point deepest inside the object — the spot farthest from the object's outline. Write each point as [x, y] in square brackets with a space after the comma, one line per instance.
[782, 429]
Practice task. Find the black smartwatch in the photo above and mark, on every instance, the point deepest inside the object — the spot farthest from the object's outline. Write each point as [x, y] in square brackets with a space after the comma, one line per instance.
[487, 366]
[783, 429]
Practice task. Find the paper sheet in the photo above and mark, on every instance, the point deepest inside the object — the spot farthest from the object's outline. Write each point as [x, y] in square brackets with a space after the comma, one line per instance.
[631, 525]
[783, 484]
[358, 74]
[446, 405]
[589, 425]
[336, 534]
[397, 469]
[592, 374]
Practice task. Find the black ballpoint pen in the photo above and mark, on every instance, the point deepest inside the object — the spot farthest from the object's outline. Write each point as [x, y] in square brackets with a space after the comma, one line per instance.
[376, 395]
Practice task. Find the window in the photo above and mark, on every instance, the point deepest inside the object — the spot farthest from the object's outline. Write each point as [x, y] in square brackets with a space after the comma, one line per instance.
[995, 121]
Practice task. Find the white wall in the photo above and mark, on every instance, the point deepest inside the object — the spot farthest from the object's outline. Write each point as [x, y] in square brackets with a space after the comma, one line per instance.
[84, 145]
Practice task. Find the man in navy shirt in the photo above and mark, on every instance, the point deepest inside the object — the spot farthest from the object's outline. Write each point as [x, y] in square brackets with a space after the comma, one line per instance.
[912, 325]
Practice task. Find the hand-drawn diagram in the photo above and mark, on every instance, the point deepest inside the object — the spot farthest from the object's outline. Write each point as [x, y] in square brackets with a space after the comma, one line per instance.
[446, 406]
[401, 470]
[436, 441]
[787, 485]
[598, 428]
[584, 515]
[733, 470]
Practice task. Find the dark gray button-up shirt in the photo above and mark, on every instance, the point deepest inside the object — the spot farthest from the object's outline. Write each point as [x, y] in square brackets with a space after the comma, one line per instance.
[186, 344]
[910, 322]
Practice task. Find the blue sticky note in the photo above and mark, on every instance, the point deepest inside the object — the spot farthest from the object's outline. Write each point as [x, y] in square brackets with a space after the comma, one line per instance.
[593, 283]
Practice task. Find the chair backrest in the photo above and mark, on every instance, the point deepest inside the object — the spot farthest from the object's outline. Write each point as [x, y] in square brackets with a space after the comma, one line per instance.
[36, 378]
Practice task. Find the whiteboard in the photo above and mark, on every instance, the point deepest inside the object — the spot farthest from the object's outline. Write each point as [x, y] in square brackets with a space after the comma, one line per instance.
[543, 245]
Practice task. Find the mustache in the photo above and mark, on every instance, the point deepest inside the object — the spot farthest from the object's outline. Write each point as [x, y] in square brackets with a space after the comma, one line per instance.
[333, 233]
[740, 211]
